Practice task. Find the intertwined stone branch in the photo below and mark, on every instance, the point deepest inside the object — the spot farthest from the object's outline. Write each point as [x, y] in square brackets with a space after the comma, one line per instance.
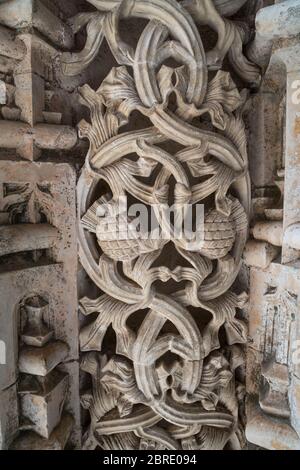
[164, 387]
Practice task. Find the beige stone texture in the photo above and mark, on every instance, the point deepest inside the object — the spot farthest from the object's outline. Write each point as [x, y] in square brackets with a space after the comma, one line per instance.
[29, 440]
[43, 406]
[269, 231]
[166, 101]
[42, 360]
[259, 254]
[9, 416]
[44, 194]
[28, 13]
[272, 370]
[270, 433]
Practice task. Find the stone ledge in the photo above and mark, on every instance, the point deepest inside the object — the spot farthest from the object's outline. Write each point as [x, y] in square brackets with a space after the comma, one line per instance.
[41, 361]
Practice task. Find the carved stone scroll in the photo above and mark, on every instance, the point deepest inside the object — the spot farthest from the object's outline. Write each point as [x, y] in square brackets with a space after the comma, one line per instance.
[171, 379]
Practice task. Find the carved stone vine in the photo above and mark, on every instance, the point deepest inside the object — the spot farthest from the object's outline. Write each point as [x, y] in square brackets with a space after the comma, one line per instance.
[176, 388]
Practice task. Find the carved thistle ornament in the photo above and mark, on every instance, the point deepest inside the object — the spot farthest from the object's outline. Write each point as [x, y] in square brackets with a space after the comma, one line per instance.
[169, 376]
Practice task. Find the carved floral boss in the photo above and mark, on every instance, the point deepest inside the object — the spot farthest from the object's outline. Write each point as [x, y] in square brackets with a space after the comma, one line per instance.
[160, 389]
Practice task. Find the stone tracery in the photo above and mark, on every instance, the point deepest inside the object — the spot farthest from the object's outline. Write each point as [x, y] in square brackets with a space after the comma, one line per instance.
[162, 389]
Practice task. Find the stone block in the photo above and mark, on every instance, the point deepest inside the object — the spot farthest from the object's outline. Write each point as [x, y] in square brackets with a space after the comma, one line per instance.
[18, 283]
[266, 146]
[29, 141]
[271, 367]
[273, 397]
[294, 399]
[269, 231]
[43, 406]
[52, 118]
[52, 188]
[291, 245]
[29, 97]
[29, 440]
[253, 371]
[31, 237]
[8, 344]
[11, 113]
[269, 432]
[292, 236]
[10, 47]
[72, 404]
[274, 297]
[41, 361]
[33, 13]
[279, 21]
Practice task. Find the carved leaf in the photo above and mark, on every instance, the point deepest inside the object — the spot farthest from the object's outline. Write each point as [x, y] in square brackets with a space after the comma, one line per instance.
[119, 93]
[215, 375]
[110, 312]
[105, 124]
[118, 375]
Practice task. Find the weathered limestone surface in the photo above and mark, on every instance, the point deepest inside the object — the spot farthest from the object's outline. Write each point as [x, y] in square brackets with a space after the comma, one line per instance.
[9, 416]
[150, 100]
[260, 254]
[273, 352]
[39, 375]
[57, 440]
[150, 388]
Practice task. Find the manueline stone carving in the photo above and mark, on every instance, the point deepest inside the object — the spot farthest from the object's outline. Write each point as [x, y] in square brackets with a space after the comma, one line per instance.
[29, 202]
[172, 380]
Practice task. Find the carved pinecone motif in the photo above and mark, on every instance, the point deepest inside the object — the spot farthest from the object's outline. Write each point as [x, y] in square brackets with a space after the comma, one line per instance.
[116, 235]
[219, 235]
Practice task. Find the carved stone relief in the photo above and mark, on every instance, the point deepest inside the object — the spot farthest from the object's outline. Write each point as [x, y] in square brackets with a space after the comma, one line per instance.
[38, 246]
[172, 379]
[39, 377]
[176, 103]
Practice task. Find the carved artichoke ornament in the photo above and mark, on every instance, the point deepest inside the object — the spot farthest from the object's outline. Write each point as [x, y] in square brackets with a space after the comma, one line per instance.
[165, 387]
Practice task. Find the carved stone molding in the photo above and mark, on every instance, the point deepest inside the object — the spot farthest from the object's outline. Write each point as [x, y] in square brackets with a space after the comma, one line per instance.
[171, 379]
[38, 316]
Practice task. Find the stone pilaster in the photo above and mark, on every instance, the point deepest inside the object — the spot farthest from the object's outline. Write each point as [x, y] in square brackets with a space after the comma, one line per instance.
[273, 362]
[39, 375]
